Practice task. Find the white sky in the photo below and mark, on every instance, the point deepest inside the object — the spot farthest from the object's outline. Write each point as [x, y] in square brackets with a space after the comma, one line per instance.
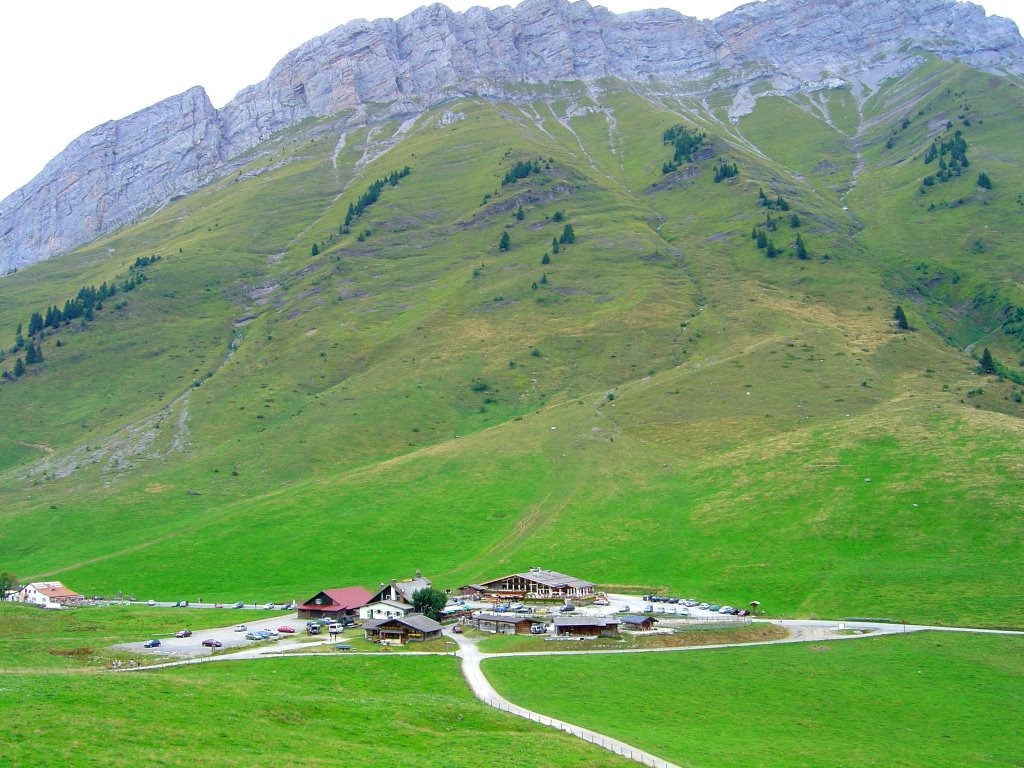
[69, 65]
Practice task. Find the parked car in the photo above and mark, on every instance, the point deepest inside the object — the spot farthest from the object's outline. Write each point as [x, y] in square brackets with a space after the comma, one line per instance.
[727, 609]
[291, 606]
[239, 604]
[286, 630]
[264, 634]
[151, 643]
[683, 611]
[151, 602]
[659, 609]
[744, 612]
[183, 633]
[252, 636]
[567, 608]
[268, 606]
[457, 629]
[313, 630]
[539, 629]
[648, 609]
[704, 606]
[274, 634]
[624, 609]
[241, 628]
[714, 608]
[211, 643]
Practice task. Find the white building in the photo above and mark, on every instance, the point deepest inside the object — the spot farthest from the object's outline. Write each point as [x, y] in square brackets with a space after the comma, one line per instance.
[46, 594]
[384, 609]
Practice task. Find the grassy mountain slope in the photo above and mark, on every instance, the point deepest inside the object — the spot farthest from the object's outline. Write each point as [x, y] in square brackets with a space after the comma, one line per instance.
[660, 405]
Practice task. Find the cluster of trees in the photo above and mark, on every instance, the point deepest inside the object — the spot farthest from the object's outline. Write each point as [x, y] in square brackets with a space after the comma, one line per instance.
[83, 305]
[779, 203]
[685, 142]
[956, 149]
[725, 171]
[368, 198]
[522, 169]
[771, 251]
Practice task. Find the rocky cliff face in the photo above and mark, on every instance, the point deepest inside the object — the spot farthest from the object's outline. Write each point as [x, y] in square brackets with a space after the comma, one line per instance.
[112, 174]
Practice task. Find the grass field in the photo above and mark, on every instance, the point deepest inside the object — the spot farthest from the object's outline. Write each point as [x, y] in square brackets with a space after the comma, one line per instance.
[924, 699]
[659, 406]
[317, 711]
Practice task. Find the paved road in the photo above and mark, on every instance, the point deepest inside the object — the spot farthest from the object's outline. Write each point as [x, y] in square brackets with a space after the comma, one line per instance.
[483, 690]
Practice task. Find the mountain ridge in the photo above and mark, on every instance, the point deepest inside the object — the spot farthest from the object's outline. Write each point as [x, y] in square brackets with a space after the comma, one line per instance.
[115, 172]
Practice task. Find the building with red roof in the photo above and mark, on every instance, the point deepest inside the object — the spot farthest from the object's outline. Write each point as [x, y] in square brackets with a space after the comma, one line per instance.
[335, 603]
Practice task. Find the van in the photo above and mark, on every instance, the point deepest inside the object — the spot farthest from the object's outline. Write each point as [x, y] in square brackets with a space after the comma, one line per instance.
[334, 628]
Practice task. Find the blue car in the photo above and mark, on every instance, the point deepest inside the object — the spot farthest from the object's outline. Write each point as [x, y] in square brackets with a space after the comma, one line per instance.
[151, 644]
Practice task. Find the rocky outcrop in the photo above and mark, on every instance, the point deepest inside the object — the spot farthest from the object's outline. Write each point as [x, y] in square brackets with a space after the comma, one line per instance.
[112, 174]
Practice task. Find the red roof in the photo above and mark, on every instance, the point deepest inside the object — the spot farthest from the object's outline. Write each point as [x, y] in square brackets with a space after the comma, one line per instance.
[348, 598]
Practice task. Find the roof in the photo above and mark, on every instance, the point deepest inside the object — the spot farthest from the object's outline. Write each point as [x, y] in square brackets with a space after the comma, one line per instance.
[633, 619]
[503, 618]
[552, 579]
[413, 621]
[405, 588]
[347, 598]
[585, 621]
[477, 587]
[52, 589]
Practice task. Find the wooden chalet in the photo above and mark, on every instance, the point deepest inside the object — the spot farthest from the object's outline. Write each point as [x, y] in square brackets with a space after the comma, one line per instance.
[586, 626]
[638, 623]
[335, 603]
[539, 584]
[400, 591]
[400, 630]
[503, 623]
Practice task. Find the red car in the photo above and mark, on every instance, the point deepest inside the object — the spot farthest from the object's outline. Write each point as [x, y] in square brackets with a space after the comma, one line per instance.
[211, 643]
[286, 630]
[183, 633]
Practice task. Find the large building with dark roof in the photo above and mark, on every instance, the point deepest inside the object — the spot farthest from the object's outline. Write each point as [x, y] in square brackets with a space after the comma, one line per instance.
[402, 629]
[539, 584]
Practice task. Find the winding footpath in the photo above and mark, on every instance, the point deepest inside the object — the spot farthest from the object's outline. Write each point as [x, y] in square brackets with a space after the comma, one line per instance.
[800, 631]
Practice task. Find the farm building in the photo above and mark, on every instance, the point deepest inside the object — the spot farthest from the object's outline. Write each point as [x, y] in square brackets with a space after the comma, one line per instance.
[46, 594]
[539, 584]
[400, 591]
[335, 603]
[586, 626]
[638, 623]
[503, 623]
[402, 629]
[472, 590]
[384, 609]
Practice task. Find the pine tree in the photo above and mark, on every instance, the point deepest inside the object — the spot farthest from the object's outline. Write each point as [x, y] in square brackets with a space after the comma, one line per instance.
[555, 247]
[505, 242]
[544, 279]
[31, 354]
[546, 259]
[753, 233]
[315, 250]
[901, 318]
[568, 235]
[988, 365]
[801, 249]
[984, 181]
[771, 251]
[19, 368]
[519, 213]
[762, 239]
[794, 221]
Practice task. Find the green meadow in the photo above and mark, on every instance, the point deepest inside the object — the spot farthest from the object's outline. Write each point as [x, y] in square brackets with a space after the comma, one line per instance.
[658, 406]
[921, 699]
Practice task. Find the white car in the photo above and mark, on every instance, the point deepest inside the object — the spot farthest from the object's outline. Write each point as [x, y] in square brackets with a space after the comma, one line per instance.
[241, 628]
[151, 602]
[268, 607]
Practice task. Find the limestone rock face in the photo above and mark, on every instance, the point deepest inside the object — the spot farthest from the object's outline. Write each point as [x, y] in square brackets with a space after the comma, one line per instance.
[112, 174]
[109, 176]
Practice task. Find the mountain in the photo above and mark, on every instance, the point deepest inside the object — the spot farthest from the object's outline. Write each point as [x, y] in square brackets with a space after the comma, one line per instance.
[645, 333]
[372, 71]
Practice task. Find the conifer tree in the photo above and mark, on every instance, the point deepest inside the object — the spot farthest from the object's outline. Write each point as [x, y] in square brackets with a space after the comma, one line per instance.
[19, 368]
[568, 235]
[505, 242]
[555, 247]
[519, 213]
[801, 249]
[546, 259]
[984, 181]
[315, 250]
[901, 318]
[988, 365]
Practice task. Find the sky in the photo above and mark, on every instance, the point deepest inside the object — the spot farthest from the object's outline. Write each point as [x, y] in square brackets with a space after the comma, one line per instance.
[70, 65]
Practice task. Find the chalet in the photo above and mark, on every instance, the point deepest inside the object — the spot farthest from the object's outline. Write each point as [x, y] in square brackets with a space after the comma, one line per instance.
[46, 594]
[335, 603]
[384, 609]
[586, 626]
[503, 624]
[400, 591]
[472, 590]
[402, 629]
[638, 623]
[539, 584]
